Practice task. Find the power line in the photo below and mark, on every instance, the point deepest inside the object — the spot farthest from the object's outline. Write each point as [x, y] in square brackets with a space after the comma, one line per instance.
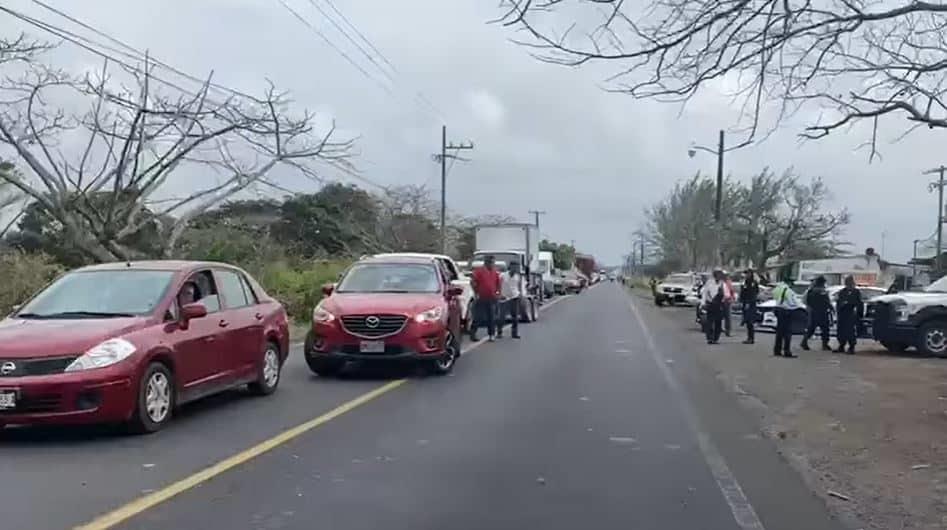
[138, 54]
[352, 40]
[360, 34]
[332, 45]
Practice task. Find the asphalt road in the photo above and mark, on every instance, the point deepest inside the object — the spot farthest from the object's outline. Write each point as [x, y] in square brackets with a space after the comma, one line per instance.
[591, 421]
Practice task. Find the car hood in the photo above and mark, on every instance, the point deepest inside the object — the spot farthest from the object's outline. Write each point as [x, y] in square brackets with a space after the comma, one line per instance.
[380, 303]
[911, 298]
[25, 338]
[678, 285]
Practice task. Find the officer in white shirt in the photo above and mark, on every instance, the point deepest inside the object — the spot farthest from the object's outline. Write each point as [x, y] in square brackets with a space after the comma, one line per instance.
[511, 289]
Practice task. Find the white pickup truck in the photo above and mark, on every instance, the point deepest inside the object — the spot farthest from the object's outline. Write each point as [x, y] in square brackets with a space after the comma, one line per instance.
[456, 277]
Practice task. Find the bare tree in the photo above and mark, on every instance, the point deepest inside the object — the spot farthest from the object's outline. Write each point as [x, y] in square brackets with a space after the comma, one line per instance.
[10, 199]
[106, 173]
[857, 59]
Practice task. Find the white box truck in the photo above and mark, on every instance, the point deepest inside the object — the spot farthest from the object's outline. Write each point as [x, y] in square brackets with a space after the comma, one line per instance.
[519, 242]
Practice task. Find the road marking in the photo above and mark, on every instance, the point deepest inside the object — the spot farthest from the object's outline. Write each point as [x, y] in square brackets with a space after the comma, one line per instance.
[151, 500]
[743, 512]
[154, 498]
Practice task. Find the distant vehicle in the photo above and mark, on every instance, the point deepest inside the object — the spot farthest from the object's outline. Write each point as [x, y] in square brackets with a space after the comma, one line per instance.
[383, 309]
[911, 319]
[130, 342]
[675, 289]
[514, 242]
[766, 311]
[456, 277]
[547, 270]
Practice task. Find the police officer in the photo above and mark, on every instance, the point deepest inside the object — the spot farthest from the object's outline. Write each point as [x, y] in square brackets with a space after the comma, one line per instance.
[819, 305]
[749, 295]
[849, 309]
[786, 303]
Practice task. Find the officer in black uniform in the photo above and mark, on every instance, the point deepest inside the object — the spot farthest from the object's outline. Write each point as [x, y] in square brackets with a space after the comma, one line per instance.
[749, 296]
[819, 305]
[849, 308]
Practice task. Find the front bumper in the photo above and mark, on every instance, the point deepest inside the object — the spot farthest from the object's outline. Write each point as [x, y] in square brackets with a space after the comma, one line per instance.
[96, 396]
[414, 343]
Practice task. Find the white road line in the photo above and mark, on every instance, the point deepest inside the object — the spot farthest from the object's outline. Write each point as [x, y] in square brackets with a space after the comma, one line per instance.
[743, 512]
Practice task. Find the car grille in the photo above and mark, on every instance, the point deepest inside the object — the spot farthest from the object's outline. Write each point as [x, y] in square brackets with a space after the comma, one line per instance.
[673, 290]
[881, 316]
[390, 349]
[373, 326]
[32, 404]
[42, 366]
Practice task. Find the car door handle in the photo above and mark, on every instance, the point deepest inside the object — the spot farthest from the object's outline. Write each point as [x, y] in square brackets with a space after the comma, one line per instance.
[258, 316]
[223, 323]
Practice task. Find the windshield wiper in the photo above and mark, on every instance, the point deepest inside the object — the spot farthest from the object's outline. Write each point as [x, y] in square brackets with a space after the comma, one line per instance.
[80, 314]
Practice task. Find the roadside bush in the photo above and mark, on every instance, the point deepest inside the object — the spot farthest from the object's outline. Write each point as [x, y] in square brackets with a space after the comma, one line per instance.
[299, 285]
[23, 274]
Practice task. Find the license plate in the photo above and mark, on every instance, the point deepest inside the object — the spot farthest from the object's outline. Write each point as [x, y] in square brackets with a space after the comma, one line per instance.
[7, 399]
[372, 346]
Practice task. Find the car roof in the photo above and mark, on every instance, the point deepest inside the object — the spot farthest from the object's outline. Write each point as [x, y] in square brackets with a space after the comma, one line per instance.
[154, 265]
[412, 255]
[399, 258]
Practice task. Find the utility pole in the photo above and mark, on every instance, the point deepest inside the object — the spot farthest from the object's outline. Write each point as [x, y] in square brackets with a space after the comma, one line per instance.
[442, 158]
[719, 198]
[939, 185]
[536, 214]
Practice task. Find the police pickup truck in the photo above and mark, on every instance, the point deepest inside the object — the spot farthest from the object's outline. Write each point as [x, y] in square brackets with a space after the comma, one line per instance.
[918, 319]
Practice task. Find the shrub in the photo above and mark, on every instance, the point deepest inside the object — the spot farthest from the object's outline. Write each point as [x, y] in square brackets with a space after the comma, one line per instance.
[299, 285]
[23, 275]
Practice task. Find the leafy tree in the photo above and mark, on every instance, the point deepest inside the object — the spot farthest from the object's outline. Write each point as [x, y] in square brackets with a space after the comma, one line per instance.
[563, 255]
[339, 219]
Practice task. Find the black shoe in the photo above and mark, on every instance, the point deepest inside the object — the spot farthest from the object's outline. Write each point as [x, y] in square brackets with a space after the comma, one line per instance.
[790, 355]
[839, 350]
[473, 337]
[777, 354]
[851, 351]
[748, 341]
[804, 345]
[516, 336]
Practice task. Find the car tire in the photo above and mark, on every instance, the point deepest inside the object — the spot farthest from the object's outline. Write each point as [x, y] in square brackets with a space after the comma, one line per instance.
[658, 302]
[894, 347]
[932, 340]
[445, 364]
[155, 400]
[468, 322]
[270, 371]
[534, 312]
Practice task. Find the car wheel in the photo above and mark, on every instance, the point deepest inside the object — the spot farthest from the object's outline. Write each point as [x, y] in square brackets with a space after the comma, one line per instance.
[468, 322]
[155, 399]
[895, 347]
[445, 364]
[269, 373]
[658, 302]
[933, 339]
[534, 312]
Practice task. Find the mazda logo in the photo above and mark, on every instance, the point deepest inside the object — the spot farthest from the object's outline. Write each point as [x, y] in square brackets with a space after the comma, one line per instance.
[7, 368]
[372, 321]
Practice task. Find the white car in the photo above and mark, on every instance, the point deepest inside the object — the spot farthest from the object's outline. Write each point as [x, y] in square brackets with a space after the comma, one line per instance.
[457, 277]
[675, 289]
[766, 314]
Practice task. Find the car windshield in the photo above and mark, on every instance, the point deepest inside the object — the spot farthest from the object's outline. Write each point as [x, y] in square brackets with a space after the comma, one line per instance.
[685, 279]
[100, 294]
[940, 286]
[389, 278]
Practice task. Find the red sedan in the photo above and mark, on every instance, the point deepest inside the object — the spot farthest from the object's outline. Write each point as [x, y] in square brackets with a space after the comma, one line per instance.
[387, 308]
[128, 342]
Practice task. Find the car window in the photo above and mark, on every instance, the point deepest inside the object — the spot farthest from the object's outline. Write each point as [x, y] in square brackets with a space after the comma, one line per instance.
[207, 294]
[100, 293]
[251, 295]
[451, 272]
[390, 278]
[232, 288]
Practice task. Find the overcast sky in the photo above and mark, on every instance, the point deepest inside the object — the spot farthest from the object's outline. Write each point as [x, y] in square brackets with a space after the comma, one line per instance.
[546, 137]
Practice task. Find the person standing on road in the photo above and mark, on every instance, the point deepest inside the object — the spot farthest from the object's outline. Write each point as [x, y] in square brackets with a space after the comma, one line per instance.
[849, 309]
[711, 297]
[728, 298]
[820, 306]
[786, 302]
[486, 285]
[511, 290]
[749, 295]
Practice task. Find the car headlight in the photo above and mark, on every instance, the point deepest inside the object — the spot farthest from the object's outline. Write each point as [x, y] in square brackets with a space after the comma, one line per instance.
[322, 315]
[105, 354]
[431, 315]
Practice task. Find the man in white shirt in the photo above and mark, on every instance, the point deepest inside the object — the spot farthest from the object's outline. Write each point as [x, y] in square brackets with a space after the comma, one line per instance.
[512, 286]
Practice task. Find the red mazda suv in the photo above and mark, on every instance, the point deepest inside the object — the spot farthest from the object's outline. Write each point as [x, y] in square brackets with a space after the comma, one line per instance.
[128, 342]
[387, 308]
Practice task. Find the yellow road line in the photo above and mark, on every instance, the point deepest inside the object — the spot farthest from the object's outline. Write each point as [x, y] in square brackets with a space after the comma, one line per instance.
[155, 498]
[142, 504]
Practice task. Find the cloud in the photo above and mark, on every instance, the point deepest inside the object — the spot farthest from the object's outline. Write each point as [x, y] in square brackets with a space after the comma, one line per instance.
[486, 108]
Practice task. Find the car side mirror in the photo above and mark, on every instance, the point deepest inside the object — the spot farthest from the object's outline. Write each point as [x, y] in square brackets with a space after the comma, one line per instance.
[455, 290]
[328, 288]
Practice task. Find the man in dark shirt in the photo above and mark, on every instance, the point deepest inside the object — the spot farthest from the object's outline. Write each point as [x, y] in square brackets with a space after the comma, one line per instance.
[819, 306]
[749, 295]
[849, 309]
[486, 285]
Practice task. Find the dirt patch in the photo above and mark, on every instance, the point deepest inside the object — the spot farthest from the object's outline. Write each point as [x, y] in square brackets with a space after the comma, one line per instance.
[871, 427]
